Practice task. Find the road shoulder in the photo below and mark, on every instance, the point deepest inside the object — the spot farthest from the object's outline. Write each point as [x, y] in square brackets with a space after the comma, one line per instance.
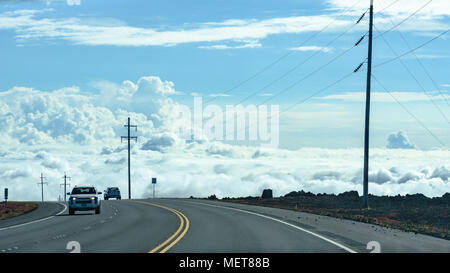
[354, 234]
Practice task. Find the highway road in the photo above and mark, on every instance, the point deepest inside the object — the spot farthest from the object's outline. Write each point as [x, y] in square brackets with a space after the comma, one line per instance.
[198, 226]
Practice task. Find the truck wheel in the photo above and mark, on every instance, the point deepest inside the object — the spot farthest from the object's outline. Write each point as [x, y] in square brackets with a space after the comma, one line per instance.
[106, 198]
[71, 212]
[97, 211]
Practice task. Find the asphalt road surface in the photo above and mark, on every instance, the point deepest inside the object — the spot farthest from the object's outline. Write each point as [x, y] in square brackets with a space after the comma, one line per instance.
[199, 226]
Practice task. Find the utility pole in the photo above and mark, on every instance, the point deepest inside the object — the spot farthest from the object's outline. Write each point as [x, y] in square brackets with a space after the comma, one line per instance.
[65, 185]
[129, 138]
[367, 117]
[366, 130]
[42, 186]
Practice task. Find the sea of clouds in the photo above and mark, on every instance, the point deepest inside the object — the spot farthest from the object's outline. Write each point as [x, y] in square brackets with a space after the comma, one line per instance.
[69, 130]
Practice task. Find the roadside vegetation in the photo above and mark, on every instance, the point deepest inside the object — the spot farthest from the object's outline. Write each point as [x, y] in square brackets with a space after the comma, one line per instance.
[12, 209]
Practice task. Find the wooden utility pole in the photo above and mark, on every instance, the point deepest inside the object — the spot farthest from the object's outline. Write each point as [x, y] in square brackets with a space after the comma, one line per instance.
[42, 186]
[367, 125]
[65, 185]
[129, 147]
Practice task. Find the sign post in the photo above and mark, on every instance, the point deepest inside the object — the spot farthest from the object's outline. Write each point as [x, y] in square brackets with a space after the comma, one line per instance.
[154, 185]
[6, 198]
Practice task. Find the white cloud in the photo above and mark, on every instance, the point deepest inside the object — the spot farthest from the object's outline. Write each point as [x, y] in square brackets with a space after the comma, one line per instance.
[227, 170]
[442, 172]
[29, 25]
[34, 117]
[251, 44]
[11, 174]
[434, 8]
[430, 18]
[39, 24]
[399, 140]
[159, 142]
[381, 176]
[311, 48]
[121, 161]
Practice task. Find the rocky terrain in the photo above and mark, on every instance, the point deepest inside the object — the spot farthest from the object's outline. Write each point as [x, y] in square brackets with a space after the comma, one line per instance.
[415, 213]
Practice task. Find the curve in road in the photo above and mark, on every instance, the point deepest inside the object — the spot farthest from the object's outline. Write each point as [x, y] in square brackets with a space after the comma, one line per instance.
[172, 240]
[197, 226]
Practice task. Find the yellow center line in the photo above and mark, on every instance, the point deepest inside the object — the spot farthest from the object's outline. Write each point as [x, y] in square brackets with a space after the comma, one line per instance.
[179, 237]
[183, 219]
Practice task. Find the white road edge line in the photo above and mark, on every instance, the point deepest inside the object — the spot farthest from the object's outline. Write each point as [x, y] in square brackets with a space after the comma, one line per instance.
[283, 222]
[36, 221]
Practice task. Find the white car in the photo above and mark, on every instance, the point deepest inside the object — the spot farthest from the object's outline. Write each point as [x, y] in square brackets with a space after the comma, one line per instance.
[84, 198]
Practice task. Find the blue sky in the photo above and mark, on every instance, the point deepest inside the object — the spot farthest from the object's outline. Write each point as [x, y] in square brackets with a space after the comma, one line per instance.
[207, 47]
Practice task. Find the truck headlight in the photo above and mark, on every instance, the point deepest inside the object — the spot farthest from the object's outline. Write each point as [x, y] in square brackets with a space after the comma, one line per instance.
[73, 198]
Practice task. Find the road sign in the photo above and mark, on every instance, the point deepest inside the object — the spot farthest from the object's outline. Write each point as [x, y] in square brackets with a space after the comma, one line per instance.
[154, 184]
[6, 193]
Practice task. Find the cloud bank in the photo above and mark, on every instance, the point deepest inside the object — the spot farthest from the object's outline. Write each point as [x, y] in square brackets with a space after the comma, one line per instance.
[67, 130]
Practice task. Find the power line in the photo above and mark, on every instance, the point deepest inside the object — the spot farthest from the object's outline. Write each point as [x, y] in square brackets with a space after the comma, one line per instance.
[345, 76]
[404, 20]
[409, 112]
[284, 56]
[301, 63]
[313, 72]
[432, 80]
[307, 76]
[401, 22]
[388, 6]
[303, 100]
[318, 92]
[302, 79]
[375, 66]
[422, 65]
[412, 50]
[416, 80]
[297, 66]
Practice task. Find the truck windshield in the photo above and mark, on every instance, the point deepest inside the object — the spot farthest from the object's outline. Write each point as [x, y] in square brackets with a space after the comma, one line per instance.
[87, 190]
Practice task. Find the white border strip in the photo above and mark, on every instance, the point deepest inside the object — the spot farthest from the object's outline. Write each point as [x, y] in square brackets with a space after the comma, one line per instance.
[283, 222]
[36, 221]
